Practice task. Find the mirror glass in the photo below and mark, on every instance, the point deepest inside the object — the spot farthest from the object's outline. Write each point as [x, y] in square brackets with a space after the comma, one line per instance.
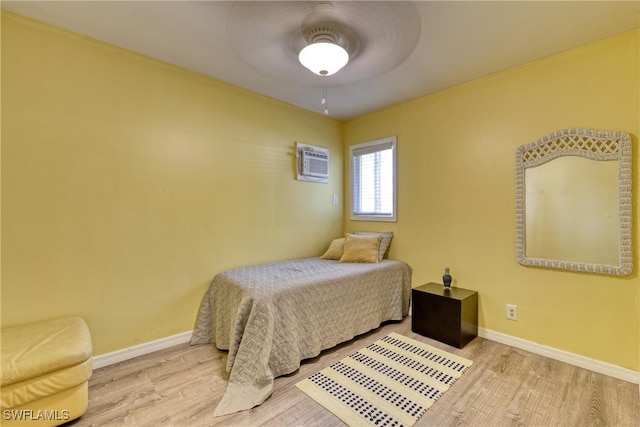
[574, 202]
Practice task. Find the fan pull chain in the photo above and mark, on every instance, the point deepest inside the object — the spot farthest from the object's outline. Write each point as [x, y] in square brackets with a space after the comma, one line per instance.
[324, 100]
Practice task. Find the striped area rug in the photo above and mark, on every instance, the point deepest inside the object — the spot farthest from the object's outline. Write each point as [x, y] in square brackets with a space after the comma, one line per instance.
[392, 382]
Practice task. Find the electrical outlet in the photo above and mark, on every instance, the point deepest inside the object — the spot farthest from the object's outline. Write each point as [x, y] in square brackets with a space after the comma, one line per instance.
[335, 199]
[512, 312]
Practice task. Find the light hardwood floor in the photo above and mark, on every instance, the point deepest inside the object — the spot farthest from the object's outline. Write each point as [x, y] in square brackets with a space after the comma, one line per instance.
[181, 386]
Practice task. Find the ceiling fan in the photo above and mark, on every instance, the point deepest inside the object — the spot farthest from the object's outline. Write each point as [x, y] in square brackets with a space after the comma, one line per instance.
[371, 38]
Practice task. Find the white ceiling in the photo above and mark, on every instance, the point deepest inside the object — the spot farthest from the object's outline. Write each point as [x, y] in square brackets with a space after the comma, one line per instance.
[250, 44]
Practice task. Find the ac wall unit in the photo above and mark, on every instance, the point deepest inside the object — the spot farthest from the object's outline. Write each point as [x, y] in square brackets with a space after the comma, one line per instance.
[315, 164]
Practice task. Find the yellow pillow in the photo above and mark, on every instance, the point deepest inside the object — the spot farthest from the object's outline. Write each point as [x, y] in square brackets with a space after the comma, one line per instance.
[384, 243]
[336, 249]
[361, 248]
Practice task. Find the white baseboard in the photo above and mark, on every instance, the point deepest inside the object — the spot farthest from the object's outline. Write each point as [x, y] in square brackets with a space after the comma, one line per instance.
[107, 359]
[563, 356]
[543, 350]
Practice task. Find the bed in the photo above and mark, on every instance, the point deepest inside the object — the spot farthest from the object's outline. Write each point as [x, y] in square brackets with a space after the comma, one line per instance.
[272, 316]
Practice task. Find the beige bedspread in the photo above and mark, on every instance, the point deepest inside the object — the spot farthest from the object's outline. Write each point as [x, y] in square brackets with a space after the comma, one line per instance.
[272, 316]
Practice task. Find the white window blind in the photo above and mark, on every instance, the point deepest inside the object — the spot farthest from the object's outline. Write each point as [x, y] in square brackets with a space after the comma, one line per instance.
[373, 189]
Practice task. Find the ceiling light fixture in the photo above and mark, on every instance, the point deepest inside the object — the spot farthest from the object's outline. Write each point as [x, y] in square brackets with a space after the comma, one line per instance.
[323, 55]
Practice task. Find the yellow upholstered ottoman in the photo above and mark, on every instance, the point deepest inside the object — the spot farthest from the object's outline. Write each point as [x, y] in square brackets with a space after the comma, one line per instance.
[46, 368]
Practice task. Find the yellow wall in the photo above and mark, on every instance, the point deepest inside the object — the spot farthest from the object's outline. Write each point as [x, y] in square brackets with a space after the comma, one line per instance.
[456, 177]
[128, 183]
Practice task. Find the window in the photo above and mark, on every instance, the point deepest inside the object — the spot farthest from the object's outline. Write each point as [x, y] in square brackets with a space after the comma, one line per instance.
[373, 180]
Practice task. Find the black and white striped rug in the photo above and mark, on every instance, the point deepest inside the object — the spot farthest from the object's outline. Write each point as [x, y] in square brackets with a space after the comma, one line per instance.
[392, 382]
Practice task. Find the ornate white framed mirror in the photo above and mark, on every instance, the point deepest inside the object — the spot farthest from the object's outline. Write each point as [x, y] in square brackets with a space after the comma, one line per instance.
[573, 202]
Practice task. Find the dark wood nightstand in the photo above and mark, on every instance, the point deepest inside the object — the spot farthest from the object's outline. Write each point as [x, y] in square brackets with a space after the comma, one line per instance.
[449, 316]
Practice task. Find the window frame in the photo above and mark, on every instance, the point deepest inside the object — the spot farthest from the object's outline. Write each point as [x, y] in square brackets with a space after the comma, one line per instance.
[394, 153]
